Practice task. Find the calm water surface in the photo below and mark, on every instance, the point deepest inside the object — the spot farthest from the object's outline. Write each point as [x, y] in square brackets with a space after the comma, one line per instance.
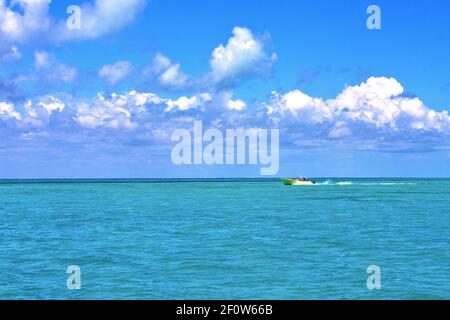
[246, 239]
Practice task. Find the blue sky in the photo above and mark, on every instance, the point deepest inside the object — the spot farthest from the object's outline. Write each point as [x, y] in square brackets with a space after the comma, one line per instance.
[102, 101]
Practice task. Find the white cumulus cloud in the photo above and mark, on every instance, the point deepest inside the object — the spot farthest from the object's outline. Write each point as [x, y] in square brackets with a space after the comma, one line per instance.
[7, 112]
[51, 70]
[167, 73]
[186, 103]
[243, 55]
[375, 108]
[114, 113]
[21, 20]
[38, 114]
[29, 21]
[13, 54]
[113, 73]
[102, 17]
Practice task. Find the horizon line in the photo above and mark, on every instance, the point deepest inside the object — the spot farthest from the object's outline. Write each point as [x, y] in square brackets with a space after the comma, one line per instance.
[222, 178]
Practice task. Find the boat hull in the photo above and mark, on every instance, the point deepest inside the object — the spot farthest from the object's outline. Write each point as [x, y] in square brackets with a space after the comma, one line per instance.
[295, 182]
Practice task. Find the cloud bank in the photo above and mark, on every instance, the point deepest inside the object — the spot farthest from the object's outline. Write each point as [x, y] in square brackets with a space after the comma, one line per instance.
[374, 114]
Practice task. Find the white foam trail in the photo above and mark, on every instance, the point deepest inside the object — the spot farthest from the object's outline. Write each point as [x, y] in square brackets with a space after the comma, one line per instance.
[348, 183]
[386, 183]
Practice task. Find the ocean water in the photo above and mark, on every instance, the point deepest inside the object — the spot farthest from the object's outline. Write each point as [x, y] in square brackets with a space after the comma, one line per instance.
[225, 239]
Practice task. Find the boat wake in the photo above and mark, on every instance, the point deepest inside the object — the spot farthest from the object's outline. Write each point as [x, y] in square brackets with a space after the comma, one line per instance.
[386, 183]
[349, 183]
[331, 183]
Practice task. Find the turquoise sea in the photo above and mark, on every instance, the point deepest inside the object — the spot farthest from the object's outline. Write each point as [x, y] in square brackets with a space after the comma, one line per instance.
[225, 239]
